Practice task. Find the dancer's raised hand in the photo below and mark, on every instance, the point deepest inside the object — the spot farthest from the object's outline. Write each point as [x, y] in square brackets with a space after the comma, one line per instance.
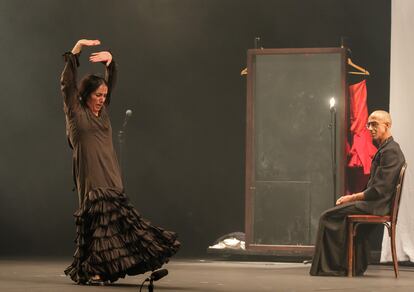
[103, 56]
[84, 42]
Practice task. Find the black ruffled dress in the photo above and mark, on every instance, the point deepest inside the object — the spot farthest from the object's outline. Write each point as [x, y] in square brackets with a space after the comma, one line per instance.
[112, 240]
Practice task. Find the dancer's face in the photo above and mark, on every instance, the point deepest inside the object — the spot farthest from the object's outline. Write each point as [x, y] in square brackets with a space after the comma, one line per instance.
[97, 99]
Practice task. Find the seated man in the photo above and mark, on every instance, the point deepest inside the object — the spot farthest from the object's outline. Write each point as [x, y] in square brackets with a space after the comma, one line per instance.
[330, 257]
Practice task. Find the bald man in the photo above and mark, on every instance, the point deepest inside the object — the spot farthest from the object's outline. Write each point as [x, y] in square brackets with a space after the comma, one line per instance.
[330, 257]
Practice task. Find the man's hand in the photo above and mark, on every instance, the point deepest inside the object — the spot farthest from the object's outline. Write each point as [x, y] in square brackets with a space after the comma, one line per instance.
[103, 56]
[350, 198]
[84, 42]
[344, 199]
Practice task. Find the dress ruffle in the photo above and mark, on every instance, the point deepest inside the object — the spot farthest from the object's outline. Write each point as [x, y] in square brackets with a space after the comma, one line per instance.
[113, 240]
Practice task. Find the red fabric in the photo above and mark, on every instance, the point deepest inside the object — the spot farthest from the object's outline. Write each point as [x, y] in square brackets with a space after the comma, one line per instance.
[362, 150]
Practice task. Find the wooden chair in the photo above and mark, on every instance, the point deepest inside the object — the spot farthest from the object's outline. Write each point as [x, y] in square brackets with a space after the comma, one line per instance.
[390, 221]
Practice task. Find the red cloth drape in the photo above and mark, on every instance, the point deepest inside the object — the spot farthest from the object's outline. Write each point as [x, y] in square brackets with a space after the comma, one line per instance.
[362, 150]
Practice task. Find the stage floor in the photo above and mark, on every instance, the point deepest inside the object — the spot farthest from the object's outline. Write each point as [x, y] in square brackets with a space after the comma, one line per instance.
[204, 275]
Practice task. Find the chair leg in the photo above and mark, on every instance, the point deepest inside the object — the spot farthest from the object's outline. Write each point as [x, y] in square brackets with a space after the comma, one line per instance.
[393, 251]
[350, 249]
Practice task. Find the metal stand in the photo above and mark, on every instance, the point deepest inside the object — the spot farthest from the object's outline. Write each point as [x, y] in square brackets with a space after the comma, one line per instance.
[257, 43]
[121, 140]
[151, 286]
[332, 126]
[121, 143]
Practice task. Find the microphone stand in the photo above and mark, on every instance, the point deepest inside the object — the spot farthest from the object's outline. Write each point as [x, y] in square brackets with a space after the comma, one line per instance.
[332, 126]
[151, 286]
[121, 143]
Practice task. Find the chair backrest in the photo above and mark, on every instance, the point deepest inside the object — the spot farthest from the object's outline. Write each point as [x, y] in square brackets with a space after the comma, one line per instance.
[397, 196]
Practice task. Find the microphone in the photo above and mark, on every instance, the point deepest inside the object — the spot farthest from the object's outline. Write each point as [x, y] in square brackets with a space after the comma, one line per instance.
[155, 276]
[128, 114]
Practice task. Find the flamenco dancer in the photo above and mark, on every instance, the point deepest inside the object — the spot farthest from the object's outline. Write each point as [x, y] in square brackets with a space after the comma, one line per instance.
[112, 240]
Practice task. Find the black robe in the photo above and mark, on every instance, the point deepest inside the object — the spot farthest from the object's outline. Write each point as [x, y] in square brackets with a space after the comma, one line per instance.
[330, 257]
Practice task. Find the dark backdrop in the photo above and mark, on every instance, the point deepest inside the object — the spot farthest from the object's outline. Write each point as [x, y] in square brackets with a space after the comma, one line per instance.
[179, 63]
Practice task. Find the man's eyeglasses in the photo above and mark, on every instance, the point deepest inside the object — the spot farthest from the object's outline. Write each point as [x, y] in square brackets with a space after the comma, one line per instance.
[373, 124]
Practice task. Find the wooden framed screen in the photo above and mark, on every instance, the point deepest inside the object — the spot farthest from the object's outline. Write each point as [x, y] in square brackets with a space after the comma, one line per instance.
[291, 145]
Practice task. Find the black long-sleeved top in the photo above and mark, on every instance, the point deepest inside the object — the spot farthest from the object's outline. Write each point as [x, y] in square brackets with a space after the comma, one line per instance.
[385, 169]
[95, 164]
